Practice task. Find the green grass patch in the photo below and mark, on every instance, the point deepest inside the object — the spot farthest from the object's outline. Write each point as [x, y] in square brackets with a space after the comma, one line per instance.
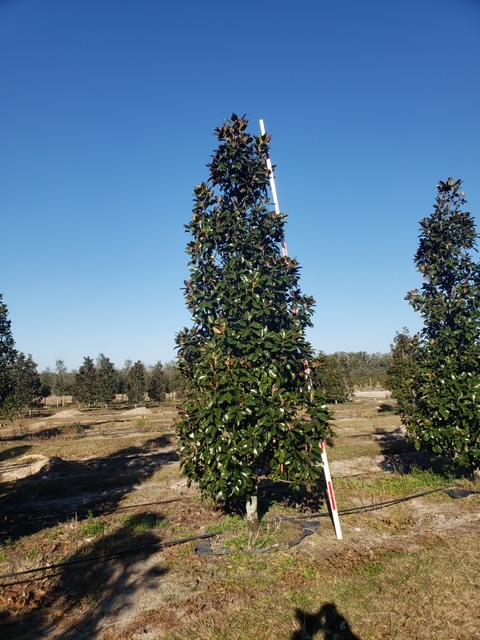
[93, 527]
[138, 524]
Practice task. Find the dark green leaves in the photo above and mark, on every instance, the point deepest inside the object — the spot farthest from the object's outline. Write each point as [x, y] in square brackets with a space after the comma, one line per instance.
[248, 411]
[441, 405]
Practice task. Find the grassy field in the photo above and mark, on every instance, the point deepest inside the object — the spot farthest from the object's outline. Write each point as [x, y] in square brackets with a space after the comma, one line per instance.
[100, 537]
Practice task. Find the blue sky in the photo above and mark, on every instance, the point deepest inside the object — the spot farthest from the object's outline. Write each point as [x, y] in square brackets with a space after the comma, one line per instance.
[107, 111]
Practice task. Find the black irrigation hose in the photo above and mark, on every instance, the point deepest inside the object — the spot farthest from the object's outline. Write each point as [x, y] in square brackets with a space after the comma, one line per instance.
[107, 556]
[58, 516]
[368, 507]
[163, 545]
[388, 503]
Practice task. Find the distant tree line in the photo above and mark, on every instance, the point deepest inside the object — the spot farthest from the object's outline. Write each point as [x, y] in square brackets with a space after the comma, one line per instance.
[96, 383]
[339, 374]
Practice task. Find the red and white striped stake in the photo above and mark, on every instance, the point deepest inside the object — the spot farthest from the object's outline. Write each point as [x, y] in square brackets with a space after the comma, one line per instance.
[326, 466]
[331, 492]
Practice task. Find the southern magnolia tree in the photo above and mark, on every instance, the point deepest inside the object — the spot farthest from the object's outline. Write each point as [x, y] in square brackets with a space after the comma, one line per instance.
[250, 411]
[157, 383]
[445, 413]
[28, 387]
[403, 369]
[8, 355]
[85, 386]
[136, 383]
[332, 374]
[107, 380]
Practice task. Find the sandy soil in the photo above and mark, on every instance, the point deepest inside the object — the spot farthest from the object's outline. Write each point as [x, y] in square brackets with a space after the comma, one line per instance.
[137, 589]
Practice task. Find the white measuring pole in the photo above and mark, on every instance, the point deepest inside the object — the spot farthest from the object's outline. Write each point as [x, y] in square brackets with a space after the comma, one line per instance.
[326, 466]
[273, 186]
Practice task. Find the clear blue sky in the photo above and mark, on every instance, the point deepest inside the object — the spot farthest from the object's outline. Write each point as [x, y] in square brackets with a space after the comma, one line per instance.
[107, 111]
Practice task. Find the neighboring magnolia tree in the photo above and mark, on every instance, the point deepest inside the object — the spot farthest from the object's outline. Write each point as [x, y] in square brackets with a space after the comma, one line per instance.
[403, 369]
[157, 383]
[136, 383]
[28, 387]
[333, 376]
[445, 413]
[174, 378]
[46, 378]
[86, 383]
[107, 380]
[8, 355]
[250, 411]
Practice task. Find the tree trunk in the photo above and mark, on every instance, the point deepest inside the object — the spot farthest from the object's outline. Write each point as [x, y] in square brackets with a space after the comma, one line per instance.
[252, 515]
[476, 476]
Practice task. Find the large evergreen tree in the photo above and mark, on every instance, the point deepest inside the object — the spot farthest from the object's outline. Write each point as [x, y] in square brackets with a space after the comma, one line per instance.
[107, 380]
[403, 369]
[250, 409]
[8, 356]
[136, 383]
[157, 383]
[86, 383]
[332, 374]
[174, 378]
[445, 413]
[28, 387]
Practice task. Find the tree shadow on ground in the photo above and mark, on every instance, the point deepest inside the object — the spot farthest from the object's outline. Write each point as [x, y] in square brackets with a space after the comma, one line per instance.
[400, 456]
[96, 587]
[87, 587]
[328, 620]
[14, 452]
[65, 489]
[385, 407]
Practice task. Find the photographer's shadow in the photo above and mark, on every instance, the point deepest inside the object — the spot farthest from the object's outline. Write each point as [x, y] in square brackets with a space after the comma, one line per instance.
[328, 620]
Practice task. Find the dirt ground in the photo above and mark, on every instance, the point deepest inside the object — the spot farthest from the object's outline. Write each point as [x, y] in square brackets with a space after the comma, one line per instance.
[98, 496]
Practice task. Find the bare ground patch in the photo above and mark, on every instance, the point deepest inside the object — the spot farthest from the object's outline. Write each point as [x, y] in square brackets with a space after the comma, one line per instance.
[110, 513]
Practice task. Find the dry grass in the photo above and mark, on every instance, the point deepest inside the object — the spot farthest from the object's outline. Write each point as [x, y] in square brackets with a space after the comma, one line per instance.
[111, 484]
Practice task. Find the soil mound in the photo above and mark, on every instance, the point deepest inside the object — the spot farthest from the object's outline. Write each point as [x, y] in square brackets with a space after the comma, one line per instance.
[23, 467]
[67, 413]
[138, 411]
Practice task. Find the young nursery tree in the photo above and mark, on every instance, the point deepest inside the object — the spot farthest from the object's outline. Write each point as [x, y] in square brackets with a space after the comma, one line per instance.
[28, 387]
[445, 416]
[8, 356]
[250, 410]
[107, 380]
[403, 370]
[85, 386]
[332, 374]
[157, 383]
[136, 383]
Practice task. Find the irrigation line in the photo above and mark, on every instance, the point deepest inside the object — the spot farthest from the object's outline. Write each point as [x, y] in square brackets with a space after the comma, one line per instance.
[163, 545]
[368, 507]
[389, 503]
[107, 556]
[27, 521]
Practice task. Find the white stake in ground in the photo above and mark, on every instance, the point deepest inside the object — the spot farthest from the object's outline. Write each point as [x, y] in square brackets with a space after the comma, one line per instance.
[326, 467]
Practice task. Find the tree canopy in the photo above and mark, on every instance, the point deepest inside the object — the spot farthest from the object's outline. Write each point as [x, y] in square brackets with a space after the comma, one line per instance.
[443, 414]
[8, 355]
[250, 409]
